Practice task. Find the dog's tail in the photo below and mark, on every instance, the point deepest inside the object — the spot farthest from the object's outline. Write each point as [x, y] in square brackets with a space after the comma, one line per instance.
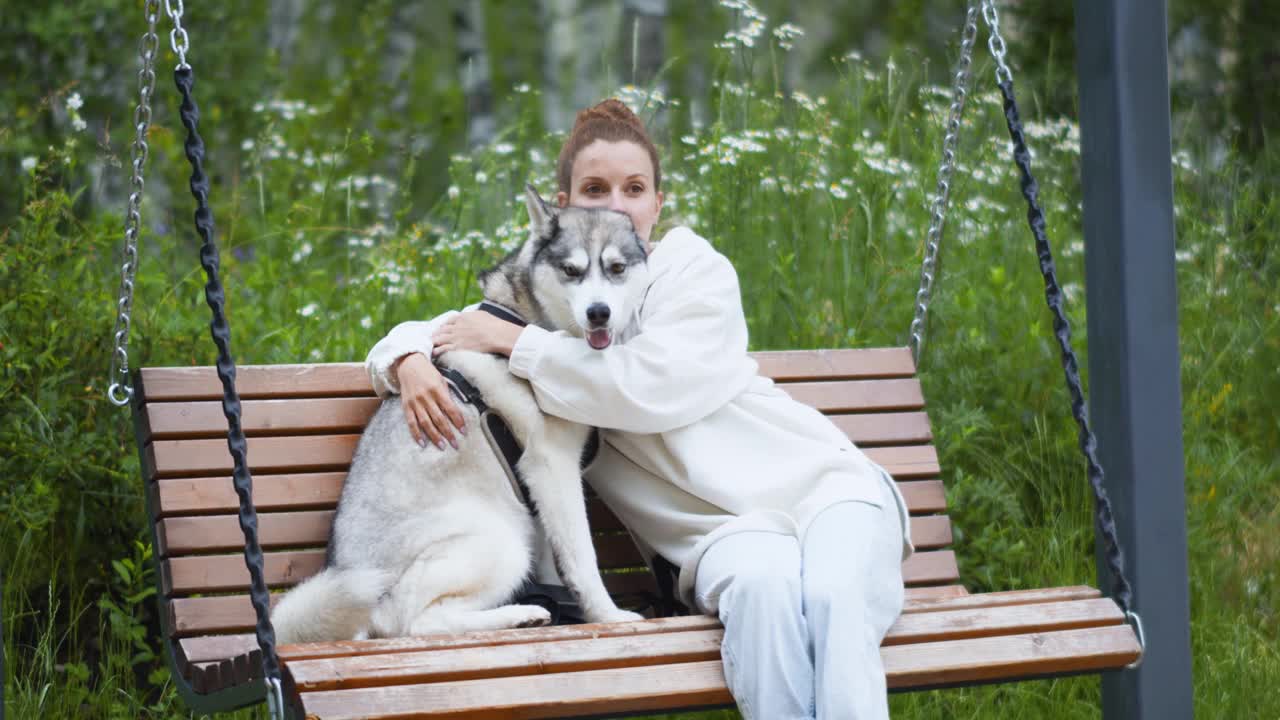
[332, 605]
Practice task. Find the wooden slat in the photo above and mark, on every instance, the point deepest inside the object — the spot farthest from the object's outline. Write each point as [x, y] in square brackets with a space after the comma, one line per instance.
[905, 428]
[194, 619]
[351, 379]
[655, 688]
[1009, 657]
[908, 462]
[688, 645]
[227, 573]
[1004, 597]
[847, 396]
[312, 416]
[309, 453]
[506, 660]
[213, 533]
[318, 491]
[256, 381]
[797, 365]
[205, 495]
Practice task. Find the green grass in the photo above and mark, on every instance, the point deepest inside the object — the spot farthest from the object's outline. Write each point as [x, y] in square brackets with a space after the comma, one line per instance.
[822, 204]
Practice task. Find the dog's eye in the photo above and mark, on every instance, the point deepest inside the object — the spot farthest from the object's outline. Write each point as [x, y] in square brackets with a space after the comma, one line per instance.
[570, 270]
[618, 268]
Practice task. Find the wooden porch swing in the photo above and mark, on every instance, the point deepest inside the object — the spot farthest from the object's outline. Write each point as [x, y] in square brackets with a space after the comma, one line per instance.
[220, 546]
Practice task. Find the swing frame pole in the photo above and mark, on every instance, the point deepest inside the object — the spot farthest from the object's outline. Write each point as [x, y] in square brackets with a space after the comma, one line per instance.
[1134, 396]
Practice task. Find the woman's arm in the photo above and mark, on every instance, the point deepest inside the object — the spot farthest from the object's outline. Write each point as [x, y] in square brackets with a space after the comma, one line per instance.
[689, 360]
[400, 363]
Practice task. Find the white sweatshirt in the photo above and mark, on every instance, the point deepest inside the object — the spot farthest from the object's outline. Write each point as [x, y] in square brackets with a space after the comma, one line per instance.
[696, 445]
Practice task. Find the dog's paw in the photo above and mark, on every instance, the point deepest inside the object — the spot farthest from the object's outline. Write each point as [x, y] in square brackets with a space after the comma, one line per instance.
[617, 615]
[527, 616]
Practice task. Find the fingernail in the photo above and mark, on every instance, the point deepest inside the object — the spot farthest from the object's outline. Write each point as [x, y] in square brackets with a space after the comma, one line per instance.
[454, 443]
[440, 444]
[462, 429]
[422, 443]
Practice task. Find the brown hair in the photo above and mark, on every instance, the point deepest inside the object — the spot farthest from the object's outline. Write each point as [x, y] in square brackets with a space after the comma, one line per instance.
[611, 121]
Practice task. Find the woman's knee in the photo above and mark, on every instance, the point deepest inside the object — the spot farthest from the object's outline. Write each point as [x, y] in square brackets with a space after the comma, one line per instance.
[763, 589]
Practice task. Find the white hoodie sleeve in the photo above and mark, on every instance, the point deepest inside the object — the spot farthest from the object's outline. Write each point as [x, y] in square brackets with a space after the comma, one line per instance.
[689, 360]
[404, 339]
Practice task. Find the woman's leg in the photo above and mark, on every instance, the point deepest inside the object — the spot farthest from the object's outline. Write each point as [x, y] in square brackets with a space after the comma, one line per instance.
[852, 589]
[751, 580]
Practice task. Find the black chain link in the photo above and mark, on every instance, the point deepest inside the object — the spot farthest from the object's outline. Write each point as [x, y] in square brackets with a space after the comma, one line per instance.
[1121, 592]
[241, 479]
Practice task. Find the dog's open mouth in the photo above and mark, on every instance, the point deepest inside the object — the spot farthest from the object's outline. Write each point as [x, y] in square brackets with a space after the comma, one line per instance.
[599, 339]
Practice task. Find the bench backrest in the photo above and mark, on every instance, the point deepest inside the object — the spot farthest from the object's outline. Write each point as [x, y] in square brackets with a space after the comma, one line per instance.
[303, 421]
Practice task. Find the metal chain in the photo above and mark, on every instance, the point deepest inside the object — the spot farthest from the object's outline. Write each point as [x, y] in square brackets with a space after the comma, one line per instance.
[942, 197]
[177, 36]
[995, 43]
[120, 391]
[1104, 517]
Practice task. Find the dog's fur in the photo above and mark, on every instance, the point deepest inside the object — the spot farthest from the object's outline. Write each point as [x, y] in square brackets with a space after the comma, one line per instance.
[428, 541]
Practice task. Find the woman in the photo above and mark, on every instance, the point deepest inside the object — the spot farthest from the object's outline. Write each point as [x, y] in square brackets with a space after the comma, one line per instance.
[779, 525]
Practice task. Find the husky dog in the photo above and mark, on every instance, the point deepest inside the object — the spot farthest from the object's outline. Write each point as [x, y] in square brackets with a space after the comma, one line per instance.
[428, 541]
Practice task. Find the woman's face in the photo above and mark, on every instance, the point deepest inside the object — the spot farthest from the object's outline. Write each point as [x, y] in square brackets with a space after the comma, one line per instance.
[618, 176]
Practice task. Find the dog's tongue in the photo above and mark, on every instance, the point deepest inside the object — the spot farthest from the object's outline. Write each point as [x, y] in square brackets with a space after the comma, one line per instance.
[599, 339]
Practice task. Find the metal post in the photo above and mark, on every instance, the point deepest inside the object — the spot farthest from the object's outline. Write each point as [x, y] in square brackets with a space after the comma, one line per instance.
[1134, 394]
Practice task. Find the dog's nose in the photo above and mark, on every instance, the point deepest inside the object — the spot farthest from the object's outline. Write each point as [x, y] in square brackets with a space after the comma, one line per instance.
[598, 313]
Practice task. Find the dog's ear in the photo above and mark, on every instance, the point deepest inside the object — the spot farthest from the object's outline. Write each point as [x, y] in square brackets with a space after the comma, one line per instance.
[540, 213]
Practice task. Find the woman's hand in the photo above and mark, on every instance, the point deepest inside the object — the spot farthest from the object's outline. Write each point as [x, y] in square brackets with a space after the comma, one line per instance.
[428, 406]
[478, 331]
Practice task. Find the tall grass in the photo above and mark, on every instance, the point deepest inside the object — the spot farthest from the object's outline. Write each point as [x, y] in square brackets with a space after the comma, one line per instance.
[821, 203]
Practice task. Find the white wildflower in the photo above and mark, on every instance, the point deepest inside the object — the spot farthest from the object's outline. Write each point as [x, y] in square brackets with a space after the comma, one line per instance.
[786, 33]
[247, 145]
[78, 124]
[837, 191]
[366, 322]
[504, 148]
[482, 177]
[29, 163]
[74, 102]
[309, 310]
[453, 192]
[1183, 256]
[316, 354]
[522, 88]
[302, 252]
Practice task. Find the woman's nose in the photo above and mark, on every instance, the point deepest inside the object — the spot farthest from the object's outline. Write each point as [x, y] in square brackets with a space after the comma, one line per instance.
[615, 202]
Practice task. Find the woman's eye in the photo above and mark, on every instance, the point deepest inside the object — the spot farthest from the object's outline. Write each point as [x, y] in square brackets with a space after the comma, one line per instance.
[637, 188]
[618, 268]
[571, 270]
[594, 189]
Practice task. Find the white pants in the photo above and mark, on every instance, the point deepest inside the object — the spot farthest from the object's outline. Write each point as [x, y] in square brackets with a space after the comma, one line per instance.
[804, 618]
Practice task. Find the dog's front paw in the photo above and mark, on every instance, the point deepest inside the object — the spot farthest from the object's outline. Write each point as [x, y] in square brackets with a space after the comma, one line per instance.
[526, 616]
[616, 615]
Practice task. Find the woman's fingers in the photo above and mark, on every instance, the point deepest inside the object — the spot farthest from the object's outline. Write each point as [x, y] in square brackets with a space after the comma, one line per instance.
[444, 401]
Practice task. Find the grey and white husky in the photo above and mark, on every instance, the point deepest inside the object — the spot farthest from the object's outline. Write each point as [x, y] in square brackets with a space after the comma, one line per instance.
[427, 541]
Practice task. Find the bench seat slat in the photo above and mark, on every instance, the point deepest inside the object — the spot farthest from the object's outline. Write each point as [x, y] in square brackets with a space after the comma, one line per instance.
[688, 645]
[654, 688]
[221, 533]
[206, 648]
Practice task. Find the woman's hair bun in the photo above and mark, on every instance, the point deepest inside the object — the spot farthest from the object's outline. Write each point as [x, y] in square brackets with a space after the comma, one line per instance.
[613, 110]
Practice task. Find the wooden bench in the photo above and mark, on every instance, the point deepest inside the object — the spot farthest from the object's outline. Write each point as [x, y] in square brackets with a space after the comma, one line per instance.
[303, 422]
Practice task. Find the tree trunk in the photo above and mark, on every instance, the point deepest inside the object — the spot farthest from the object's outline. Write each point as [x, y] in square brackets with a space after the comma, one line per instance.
[473, 64]
[644, 40]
